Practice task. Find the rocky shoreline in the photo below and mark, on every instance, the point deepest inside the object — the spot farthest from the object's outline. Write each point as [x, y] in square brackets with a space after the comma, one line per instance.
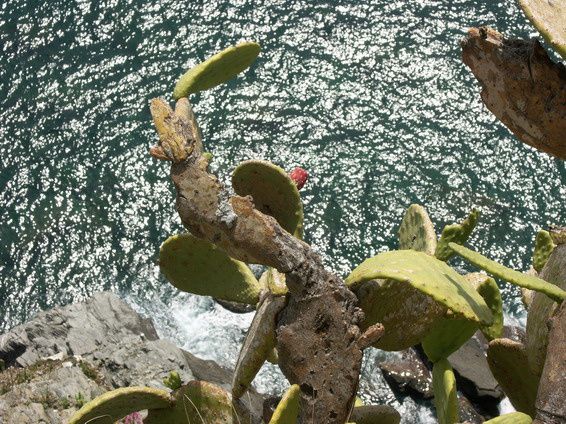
[67, 356]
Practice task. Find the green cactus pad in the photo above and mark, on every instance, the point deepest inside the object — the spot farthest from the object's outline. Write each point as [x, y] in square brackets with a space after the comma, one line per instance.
[273, 193]
[217, 69]
[446, 337]
[406, 313]
[445, 394]
[287, 410]
[429, 275]
[200, 402]
[416, 231]
[543, 248]
[508, 362]
[449, 333]
[458, 233]
[542, 308]
[488, 289]
[199, 267]
[259, 343]
[116, 404]
[375, 414]
[512, 418]
[548, 18]
[515, 277]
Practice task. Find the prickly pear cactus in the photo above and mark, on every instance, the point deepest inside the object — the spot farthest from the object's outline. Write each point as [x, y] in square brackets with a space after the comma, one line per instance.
[407, 313]
[446, 337]
[216, 70]
[515, 277]
[116, 404]
[287, 410]
[371, 414]
[392, 303]
[508, 362]
[450, 333]
[488, 289]
[457, 233]
[543, 248]
[549, 18]
[512, 418]
[427, 274]
[445, 394]
[196, 266]
[542, 308]
[273, 193]
[416, 231]
[258, 345]
[198, 402]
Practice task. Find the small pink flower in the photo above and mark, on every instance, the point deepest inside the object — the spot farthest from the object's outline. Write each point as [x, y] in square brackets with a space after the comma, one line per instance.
[134, 418]
[299, 177]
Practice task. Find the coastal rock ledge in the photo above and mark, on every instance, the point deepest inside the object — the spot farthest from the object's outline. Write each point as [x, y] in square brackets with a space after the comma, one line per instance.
[64, 357]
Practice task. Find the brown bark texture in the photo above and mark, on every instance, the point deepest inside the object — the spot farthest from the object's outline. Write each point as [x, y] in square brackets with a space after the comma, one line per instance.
[521, 86]
[318, 338]
[551, 396]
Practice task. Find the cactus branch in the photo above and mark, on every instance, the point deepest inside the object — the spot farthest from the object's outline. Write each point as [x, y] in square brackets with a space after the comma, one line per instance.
[522, 87]
[317, 332]
[550, 405]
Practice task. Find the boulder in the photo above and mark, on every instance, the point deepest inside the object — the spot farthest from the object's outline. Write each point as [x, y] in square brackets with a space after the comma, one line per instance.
[67, 356]
[408, 375]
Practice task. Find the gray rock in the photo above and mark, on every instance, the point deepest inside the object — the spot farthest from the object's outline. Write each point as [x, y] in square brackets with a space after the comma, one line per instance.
[408, 375]
[468, 413]
[94, 346]
[472, 372]
[77, 329]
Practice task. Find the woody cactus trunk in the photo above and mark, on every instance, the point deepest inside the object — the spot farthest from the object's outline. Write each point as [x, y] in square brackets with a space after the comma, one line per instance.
[319, 342]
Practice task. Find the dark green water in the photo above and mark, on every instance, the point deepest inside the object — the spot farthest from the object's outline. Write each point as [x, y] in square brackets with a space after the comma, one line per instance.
[370, 96]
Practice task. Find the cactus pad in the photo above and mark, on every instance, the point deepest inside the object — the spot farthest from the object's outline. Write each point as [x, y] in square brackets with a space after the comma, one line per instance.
[406, 313]
[371, 414]
[287, 410]
[542, 308]
[273, 193]
[199, 267]
[515, 277]
[548, 18]
[543, 248]
[458, 233]
[116, 404]
[508, 362]
[217, 69]
[258, 345]
[445, 394]
[488, 289]
[429, 275]
[200, 402]
[446, 337]
[416, 231]
[511, 418]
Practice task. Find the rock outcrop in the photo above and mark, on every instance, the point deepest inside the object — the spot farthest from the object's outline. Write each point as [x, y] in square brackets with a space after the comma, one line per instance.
[66, 356]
